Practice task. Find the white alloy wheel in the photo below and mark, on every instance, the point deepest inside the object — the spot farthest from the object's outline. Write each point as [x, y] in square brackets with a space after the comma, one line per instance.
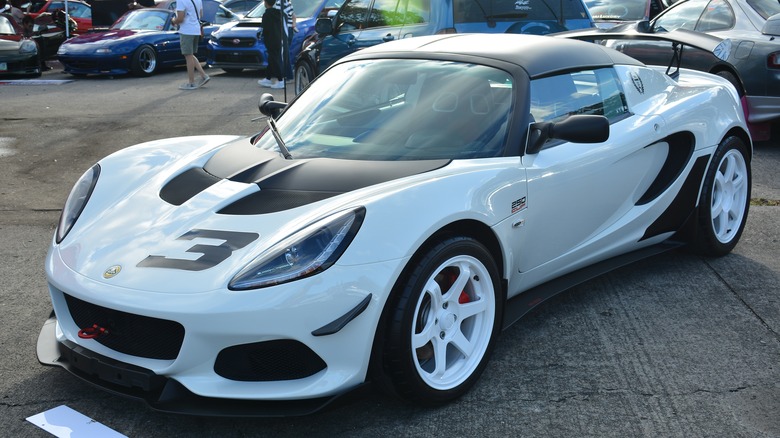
[453, 322]
[441, 323]
[725, 199]
[729, 196]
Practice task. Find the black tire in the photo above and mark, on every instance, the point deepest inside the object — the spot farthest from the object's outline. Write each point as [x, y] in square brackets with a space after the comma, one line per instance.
[144, 62]
[303, 76]
[725, 199]
[450, 306]
[232, 71]
[734, 81]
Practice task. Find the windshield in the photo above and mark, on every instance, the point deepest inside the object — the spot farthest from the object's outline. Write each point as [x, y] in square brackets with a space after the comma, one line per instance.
[5, 26]
[143, 19]
[618, 10]
[399, 110]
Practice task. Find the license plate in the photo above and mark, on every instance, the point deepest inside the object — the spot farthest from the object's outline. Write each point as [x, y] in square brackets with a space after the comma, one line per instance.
[3, 66]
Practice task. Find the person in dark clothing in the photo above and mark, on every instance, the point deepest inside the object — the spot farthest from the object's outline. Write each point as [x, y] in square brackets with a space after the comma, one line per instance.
[273, 32]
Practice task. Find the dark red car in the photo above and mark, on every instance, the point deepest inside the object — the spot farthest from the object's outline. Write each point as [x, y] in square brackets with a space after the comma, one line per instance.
[79, 11]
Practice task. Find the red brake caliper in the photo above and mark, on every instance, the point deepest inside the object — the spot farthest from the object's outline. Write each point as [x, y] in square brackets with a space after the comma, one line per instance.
[464, 298]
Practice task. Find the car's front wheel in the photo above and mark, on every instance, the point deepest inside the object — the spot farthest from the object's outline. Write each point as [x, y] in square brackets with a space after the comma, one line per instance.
[442, 322]
[303, 76]
[725, 198]
[144, 62]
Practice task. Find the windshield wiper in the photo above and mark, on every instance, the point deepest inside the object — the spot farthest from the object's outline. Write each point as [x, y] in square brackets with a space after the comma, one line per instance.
[278, 137]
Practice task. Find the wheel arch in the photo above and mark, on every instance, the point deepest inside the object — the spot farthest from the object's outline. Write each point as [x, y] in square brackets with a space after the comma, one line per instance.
[474, 229]
[744, 136]
[720, 68]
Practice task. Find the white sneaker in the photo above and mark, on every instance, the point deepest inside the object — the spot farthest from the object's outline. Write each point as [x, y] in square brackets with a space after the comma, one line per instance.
[278, 85]
[265, 83]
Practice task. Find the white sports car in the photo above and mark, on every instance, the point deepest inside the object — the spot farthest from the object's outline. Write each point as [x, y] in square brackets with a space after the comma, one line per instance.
[384, 227]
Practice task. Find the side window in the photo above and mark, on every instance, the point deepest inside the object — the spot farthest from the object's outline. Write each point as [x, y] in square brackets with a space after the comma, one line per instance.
[594, 92]
[79, 11]
[717, 16]
[417, 11]
[353, 15]
[682, 16]
[385, 13]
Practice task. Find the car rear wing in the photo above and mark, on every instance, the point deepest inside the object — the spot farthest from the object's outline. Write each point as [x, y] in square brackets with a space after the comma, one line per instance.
[719, 47]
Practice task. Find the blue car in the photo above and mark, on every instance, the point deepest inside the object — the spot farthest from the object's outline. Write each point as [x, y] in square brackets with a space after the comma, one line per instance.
[140, 42]
[364, 23]
[238, 45]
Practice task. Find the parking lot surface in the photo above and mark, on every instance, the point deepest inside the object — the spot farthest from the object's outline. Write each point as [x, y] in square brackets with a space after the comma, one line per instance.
[673, 346]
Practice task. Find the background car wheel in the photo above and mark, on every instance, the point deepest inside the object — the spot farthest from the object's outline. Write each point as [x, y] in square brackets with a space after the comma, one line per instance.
[232, 71]
[303, 76]
[144, 61]
[733, 79]
[442, 323]
[725, 199]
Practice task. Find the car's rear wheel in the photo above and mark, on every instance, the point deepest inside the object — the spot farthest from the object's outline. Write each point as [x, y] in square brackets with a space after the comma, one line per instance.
[303, 76]
[725, 198]
[734, 81]
[442, 323]
[144, 62]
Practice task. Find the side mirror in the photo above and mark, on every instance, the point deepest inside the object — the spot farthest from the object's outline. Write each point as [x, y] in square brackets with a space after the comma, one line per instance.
[324, 26]
[268, 107]
[576, 129]
[644, 27]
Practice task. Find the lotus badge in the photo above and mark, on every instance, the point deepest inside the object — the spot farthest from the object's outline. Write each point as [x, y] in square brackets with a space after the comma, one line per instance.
[112, 271]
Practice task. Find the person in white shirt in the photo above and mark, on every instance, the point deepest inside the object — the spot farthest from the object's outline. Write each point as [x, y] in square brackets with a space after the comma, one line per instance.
[188, 13]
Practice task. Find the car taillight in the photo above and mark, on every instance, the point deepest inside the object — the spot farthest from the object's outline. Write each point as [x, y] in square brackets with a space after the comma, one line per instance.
[773, 60]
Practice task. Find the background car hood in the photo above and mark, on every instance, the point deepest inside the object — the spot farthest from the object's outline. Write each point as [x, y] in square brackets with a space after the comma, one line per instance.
[103, 37]
[8, 42]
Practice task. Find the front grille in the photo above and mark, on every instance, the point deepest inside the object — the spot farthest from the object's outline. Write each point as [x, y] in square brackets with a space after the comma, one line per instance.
[30, 65]
[128, 333]
[282, 359]
[237, 42]
[83, 64]
[241, 58]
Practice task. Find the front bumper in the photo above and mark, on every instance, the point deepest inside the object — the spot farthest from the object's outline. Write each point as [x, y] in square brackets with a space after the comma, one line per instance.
[98, 65]
[165, 394]
[20, 65]
[308, 340]
[234, 58]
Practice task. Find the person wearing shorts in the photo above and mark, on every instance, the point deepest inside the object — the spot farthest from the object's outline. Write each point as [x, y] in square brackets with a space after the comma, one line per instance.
[188, 13]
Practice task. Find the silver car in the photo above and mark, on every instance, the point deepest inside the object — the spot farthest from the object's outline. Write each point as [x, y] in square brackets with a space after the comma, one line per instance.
[751, 53]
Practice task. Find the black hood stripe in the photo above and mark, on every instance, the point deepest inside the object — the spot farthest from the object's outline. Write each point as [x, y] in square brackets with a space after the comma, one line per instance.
[286, 184]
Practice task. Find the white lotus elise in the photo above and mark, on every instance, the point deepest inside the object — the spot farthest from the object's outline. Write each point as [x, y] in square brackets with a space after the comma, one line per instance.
[415, 199]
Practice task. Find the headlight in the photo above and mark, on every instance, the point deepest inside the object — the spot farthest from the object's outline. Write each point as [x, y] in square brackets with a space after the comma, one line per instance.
[103, 50]
[28, 46]
[77, 199]
[305, 253]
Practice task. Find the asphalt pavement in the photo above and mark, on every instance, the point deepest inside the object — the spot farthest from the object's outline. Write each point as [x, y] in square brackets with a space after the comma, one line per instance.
[673, 346]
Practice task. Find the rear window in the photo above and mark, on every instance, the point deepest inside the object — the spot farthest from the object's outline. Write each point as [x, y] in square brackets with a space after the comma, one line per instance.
[467, 11]
[765, 8]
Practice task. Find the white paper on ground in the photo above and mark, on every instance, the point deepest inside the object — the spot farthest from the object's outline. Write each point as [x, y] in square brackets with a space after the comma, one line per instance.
[64, 422]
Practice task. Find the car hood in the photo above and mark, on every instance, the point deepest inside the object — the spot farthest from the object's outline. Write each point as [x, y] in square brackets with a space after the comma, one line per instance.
[239, 28]
[104, 37]
[10, 43]
[149, 197]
